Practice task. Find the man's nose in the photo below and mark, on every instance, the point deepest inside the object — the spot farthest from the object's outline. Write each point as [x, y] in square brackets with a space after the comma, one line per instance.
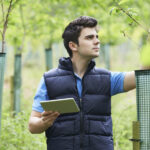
[96, 41]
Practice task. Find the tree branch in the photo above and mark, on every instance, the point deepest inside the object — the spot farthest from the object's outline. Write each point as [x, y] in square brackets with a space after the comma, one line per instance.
[1, 32]
[126, 35]
[5, 25]
[13, 5]
[3, 13]
[24, 27]
[1, 22]
[132, 18]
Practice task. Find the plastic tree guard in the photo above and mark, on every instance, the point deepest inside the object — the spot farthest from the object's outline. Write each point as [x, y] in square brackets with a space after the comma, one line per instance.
[2, 68]
[48, 57]
[17, 83]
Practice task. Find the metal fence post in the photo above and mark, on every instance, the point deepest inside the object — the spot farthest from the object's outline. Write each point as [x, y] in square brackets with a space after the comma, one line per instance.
[136, 135]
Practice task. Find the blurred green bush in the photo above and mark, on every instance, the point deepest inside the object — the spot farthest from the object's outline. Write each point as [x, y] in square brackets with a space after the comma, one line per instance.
[15, 134]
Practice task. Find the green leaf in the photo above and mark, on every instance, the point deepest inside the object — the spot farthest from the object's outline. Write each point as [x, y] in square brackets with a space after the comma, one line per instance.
[123, 2]
[111, 11]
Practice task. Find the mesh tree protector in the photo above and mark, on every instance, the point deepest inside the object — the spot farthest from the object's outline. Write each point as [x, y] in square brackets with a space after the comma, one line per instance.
[143, 106]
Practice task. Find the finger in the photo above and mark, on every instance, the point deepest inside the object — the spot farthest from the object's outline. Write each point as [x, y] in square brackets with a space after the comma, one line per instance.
[50, 117]
[50, 120]
[53, 115]
[45, 113]
[56, 113]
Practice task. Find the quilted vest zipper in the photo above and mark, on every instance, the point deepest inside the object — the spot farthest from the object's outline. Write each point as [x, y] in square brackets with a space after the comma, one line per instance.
[81, 124]
[81, 115]
[81, 110]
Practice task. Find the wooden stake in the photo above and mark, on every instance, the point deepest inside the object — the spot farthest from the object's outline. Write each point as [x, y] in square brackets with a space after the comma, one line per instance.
[136, 135]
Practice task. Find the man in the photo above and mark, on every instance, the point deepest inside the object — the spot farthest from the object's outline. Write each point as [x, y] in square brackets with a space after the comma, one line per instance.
[92, 88]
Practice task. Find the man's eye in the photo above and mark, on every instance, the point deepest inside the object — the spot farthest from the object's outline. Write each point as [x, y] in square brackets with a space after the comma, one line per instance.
[89, 37]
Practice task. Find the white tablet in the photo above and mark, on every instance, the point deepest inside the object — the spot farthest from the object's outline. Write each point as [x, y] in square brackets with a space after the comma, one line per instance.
[67, 105]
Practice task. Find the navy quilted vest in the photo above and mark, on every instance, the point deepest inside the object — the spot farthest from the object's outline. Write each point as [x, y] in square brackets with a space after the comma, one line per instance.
[91, 128]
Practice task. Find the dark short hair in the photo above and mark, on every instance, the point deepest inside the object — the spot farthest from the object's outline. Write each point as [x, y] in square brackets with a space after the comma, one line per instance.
[73, 30]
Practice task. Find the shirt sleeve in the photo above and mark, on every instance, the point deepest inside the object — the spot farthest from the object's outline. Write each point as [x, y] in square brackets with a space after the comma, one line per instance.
[41, 95]
[117, 82]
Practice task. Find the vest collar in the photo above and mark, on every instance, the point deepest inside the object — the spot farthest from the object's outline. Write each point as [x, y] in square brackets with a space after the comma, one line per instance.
[66, 64]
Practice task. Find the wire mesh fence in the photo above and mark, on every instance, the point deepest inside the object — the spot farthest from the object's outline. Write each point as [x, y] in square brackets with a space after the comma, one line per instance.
[143, 106]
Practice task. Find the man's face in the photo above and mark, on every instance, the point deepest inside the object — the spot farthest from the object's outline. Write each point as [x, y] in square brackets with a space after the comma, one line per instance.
[89, 43]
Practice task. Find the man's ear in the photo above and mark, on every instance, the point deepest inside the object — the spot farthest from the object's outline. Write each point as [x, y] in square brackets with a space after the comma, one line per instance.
[73, 46]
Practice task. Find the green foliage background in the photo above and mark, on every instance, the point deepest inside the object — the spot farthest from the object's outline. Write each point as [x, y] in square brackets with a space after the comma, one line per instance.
[36, 25]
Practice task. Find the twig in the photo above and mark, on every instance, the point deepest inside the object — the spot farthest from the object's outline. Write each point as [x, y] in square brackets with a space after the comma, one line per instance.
[125, 34]
[24, 27]
[3, 13]
[15, 3]
[1, 33]
[5, 25]
[148, 37]
[133, 18]
[1, 22]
